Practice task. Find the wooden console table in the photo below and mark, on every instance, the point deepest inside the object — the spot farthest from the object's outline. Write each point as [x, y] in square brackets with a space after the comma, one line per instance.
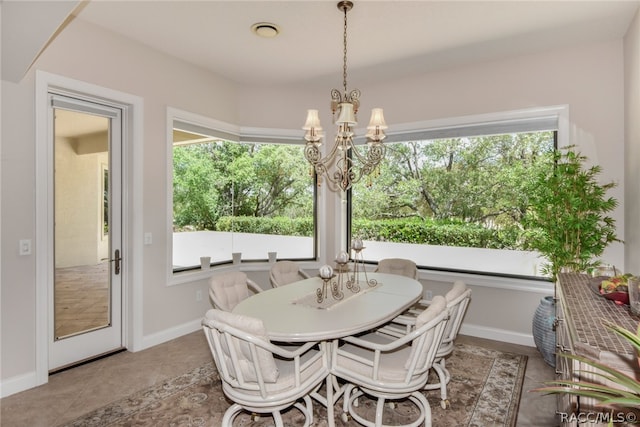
[579, 330]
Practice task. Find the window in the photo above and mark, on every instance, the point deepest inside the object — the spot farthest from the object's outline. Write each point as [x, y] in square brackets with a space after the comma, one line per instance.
[231, 196]
[453, 198]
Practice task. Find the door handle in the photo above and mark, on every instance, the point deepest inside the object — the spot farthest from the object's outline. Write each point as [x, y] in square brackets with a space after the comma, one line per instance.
[117, 260]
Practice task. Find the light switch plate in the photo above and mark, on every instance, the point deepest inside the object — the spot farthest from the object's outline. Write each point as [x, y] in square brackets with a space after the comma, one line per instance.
[25, 247]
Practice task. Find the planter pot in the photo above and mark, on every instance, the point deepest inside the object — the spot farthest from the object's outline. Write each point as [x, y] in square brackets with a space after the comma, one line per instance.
[544, 334]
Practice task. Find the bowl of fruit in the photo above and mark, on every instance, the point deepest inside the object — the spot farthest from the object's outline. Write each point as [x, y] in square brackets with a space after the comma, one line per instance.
[615, 288]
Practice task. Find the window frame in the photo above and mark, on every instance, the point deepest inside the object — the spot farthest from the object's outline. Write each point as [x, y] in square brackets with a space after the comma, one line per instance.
[201, 124]
[533, 119]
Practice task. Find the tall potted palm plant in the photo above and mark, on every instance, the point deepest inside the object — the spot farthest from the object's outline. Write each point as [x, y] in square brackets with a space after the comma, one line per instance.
[568, 218]
[568, 223]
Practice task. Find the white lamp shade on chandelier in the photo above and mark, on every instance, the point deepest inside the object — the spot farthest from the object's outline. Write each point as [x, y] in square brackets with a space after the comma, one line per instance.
[313, 128]
[347, 115]
[376, 124]
[313, 121]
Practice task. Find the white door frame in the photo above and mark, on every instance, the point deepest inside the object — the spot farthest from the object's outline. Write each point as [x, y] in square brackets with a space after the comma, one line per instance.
[132, 274]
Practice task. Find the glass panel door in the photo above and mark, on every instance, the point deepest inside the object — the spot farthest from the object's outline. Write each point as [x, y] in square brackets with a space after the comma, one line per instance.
[87, 256]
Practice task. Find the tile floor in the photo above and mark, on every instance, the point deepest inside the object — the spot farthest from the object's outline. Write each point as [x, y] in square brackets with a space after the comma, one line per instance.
[71, 393]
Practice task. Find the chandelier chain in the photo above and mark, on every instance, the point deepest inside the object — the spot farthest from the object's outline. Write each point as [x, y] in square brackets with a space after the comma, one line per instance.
[344, 51]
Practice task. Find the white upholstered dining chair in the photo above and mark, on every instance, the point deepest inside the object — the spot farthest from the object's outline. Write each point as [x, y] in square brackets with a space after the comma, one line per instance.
[457, 299]
[258, 376]
[226, 290]
[390, 368]
[286, 272]
[399, 266]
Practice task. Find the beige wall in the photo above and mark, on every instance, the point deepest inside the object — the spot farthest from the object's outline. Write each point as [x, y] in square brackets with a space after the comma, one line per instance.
[78, 189]
[632, 146]
[589, 79]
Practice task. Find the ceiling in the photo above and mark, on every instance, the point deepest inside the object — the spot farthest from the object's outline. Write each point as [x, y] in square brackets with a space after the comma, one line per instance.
[386, 39]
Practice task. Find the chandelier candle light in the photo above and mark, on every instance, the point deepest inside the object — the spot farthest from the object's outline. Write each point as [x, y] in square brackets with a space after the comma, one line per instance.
[340, 166]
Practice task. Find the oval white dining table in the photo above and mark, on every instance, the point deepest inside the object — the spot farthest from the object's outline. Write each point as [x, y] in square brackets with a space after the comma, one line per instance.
[290, 313]
[288, 319]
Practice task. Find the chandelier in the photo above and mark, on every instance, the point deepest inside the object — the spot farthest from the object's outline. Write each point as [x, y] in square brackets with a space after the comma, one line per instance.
[345, 164]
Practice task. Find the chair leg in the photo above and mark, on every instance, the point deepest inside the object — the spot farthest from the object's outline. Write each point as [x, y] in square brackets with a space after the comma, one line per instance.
[307, 411]
[379, 411]
[421, 401]
[230, 414]
[345, 398]
[350, 401]
[277, 418]
[308, 406]
[445, 371]
[443, 379]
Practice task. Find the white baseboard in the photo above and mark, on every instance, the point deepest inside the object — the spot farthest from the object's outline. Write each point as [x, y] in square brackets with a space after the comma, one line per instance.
[18, 383]
[497, 334]
[171, 333]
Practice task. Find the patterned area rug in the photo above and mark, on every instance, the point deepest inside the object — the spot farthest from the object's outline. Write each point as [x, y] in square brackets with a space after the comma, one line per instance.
[484, 391]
